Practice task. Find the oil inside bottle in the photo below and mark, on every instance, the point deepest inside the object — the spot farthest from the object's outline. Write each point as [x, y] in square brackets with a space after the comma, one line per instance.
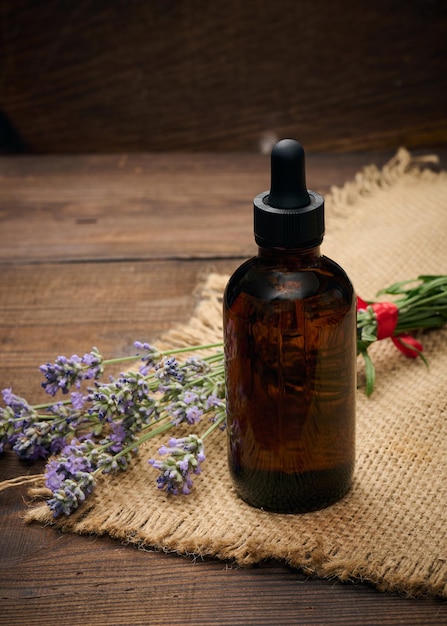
[289, 327]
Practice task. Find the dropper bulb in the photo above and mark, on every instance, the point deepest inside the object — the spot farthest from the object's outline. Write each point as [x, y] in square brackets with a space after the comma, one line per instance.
[288, 176]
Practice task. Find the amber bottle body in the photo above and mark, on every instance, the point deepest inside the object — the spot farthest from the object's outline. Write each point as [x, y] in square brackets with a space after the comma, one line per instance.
[290, 353]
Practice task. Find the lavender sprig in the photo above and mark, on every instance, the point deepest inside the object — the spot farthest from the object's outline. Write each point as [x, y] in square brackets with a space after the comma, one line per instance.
[33, 435]
[184, 458]
[70, 478]
[65, 372]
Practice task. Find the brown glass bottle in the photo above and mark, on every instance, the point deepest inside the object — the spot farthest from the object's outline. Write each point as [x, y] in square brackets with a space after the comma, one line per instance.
[290, 349]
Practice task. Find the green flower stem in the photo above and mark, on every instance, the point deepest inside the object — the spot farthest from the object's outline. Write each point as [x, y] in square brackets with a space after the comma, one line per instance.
[153, 432]
[420, 307]
[215, 357]
[162, 353]
[191, 349]
[38, 407]
[146, 437]
[210, 359]
[214, 425]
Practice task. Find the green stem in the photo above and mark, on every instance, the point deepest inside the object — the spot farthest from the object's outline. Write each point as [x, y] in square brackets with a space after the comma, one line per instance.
[162, 353]
[214, 425]
[208, 346]
[47, 405]
[405, 303]
[146, 437]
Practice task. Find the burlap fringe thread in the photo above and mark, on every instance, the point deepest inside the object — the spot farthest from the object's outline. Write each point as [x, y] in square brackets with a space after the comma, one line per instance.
[391, 529]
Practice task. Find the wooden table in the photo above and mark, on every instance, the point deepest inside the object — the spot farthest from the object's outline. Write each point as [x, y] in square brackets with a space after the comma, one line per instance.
[103, 251]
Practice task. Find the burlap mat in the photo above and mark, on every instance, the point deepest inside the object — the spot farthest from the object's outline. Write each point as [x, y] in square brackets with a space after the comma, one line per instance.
[385, 226]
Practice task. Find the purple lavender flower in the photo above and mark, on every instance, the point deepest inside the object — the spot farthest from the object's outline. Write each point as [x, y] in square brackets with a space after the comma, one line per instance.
[78, 400]
[168, 371]
[149, 359]
[126, 397]
[65, 373]
[70, 478]
[18, 406]
[20, 427]
[184, 458]
[125, 407]
[108, 463]
[118, 436]
[66, 420]
[39, 439]
[62, 374]
[57, 444]
[193, 414]
[94, 362]
[214, 401]
[190, 397]
[198, 366]
[187, 407]
[33, 442]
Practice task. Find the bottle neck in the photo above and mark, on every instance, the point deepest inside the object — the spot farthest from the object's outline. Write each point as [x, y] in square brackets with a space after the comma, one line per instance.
[295, 256]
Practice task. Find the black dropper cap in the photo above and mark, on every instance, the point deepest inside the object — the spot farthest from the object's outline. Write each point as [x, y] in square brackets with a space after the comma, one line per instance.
[290, 215]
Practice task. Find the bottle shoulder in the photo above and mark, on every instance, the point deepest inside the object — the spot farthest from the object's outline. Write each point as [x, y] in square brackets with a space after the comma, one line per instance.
[261, 278]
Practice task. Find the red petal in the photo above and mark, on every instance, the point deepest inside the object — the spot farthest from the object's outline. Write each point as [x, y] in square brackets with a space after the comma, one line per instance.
[408, 345]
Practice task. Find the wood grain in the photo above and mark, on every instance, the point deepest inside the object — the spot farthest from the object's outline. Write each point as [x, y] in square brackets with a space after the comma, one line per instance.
[96, 76]
[52, 302]
[46, 310]
[143, 206]
[47, 577]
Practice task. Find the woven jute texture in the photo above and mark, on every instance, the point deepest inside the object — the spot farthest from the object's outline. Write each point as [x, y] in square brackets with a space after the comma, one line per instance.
[391, 529]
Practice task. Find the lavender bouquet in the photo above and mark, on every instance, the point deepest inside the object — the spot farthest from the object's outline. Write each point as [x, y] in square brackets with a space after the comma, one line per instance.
[98, 427]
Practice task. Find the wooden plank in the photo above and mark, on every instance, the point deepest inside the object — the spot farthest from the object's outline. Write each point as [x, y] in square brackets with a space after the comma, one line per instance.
[142, 206]
[51, 306]
[96, 581]
[103, 76]
[52, 309]
[46, 311]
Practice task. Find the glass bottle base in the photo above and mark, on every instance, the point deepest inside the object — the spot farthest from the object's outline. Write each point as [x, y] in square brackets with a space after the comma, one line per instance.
[293, 493]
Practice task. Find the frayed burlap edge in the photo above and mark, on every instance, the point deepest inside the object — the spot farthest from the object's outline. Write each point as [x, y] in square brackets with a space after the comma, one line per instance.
[372, 179]
[172, 525]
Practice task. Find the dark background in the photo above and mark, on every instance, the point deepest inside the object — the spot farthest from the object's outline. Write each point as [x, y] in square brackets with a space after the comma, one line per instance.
[141, 75]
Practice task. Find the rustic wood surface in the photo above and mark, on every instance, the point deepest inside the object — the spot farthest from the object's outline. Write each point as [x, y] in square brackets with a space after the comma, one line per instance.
[103, 251]
[98, 76]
